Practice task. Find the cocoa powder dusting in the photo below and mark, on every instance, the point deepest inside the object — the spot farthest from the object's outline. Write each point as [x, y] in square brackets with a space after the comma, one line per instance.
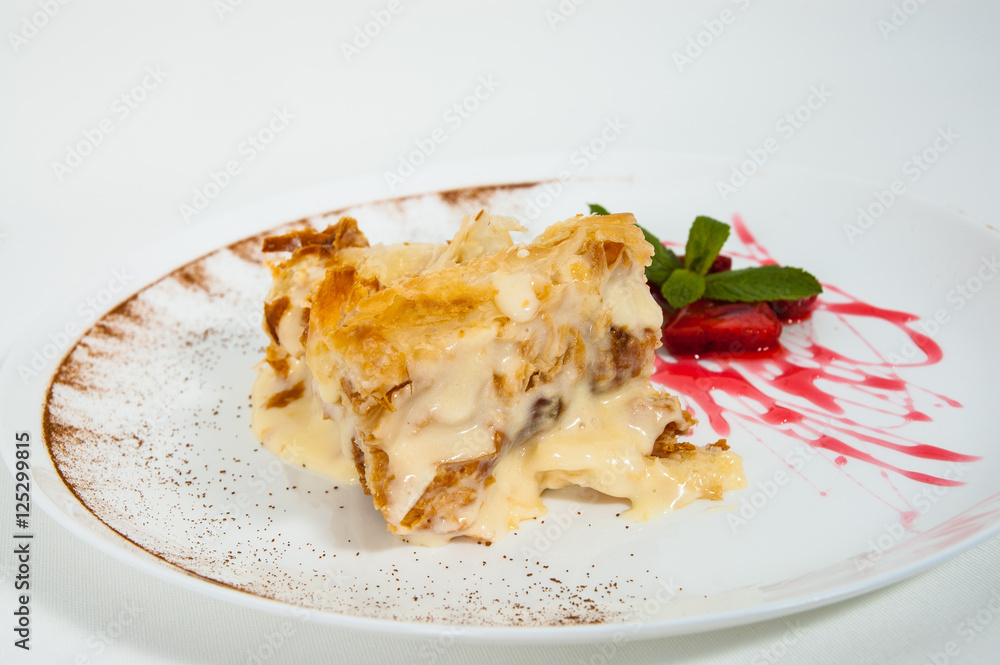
[472, 196]
[147, 423]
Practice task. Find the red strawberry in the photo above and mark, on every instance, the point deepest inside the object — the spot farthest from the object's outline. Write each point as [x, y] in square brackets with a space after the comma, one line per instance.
[709, 326]
[791, 311]
[720, 264]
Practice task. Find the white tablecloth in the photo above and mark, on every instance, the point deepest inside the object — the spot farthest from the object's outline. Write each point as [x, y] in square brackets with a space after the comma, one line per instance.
[115, 115]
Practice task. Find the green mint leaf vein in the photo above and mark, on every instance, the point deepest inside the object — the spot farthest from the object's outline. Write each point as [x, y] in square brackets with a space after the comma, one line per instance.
[761, 283]
[683, 287]
[706, 238]
[664, 260]
[597, 209]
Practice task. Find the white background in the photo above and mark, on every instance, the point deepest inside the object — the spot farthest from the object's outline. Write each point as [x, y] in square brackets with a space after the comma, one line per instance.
[223, 74]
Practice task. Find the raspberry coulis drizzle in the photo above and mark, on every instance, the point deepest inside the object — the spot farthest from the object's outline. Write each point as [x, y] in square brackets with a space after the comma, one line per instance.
[788, 384]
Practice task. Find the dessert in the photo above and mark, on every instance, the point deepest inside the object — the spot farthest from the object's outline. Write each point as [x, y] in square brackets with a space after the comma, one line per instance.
[457, 382]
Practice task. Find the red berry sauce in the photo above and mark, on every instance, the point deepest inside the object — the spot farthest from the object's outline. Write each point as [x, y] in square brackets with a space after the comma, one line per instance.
[794, 387]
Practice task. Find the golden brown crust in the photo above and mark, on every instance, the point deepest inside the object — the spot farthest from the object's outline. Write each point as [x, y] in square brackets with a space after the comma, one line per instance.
[273, 311]
[666, 443]
[664, 447]
[358, 456]
[304, 322]
[453, 488]
[277, 359]
[286, 397]
[344, 233]
[359, 319]
[379, 477]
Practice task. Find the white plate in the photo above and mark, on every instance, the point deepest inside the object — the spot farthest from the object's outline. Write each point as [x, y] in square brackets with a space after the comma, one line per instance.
[154, 424]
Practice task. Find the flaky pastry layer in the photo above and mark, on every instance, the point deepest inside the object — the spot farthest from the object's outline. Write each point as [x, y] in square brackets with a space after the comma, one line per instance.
[457, 382]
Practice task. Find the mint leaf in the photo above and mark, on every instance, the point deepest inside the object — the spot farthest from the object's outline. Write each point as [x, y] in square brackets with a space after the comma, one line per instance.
[705, 239]
[596, 209]
[761, 283]
[683, 287]
[664, 260]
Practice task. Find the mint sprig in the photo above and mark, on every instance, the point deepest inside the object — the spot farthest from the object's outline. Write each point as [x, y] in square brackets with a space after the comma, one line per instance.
[705, 239]
[761, 283]
[683, 287]
[683, 282]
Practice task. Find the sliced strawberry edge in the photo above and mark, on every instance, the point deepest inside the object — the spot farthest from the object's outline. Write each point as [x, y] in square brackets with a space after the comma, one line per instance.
[709, 327]
[792, 311]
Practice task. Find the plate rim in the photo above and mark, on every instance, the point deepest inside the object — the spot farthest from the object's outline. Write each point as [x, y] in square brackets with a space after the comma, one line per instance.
[219, 230]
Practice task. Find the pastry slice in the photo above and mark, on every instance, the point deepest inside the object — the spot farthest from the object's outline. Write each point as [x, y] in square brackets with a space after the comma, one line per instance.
[462, 380]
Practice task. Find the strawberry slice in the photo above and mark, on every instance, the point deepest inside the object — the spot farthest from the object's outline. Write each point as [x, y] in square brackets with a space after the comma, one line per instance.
[790, 311]
[720, 264]
[709, 326]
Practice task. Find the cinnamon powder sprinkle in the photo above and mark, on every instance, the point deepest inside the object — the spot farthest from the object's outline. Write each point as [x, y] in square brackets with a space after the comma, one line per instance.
[147, 424]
